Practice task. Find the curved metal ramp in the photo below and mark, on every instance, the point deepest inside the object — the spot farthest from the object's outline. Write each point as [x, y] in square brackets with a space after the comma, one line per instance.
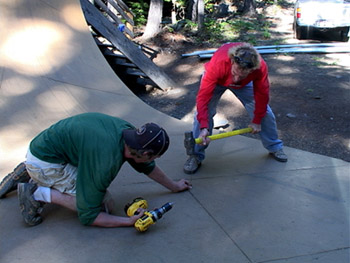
[244, 207]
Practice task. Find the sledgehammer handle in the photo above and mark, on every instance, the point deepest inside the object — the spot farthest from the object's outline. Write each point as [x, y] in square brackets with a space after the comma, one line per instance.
[225, 134]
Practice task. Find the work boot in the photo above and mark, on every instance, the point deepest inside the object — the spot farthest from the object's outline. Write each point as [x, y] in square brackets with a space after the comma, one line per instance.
[9, 183]
[279, 156]
[192, 165]
[30, 208]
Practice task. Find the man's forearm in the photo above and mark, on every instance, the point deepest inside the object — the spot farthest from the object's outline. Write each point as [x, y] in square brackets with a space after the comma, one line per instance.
[106, 220]
[160, 177]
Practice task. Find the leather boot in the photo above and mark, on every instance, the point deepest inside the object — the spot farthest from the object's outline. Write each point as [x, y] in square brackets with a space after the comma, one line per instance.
[9, 183]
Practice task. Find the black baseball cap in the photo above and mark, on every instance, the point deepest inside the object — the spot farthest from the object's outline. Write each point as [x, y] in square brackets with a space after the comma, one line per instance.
[148, 137]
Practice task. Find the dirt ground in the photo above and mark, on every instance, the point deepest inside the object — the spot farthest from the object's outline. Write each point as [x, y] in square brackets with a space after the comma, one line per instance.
[309, 94]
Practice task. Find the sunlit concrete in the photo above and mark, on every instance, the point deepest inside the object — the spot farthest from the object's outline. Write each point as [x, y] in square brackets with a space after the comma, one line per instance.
[244, 206]
[31, 42]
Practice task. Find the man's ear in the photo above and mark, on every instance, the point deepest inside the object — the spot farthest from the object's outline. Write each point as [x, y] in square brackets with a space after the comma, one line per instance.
[146, 153]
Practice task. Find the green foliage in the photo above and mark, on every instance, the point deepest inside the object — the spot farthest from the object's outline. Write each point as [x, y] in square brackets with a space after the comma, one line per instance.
[209, 5]
[273, 2]
[320, 61]
[186, 25]
[236, 29]
[215, 30]
[190, 25]
[241, 25]
[140, 9]
[265, 27]
[266, 34]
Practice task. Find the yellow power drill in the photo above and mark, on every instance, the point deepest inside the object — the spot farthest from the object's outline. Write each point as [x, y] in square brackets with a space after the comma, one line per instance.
[149, 217]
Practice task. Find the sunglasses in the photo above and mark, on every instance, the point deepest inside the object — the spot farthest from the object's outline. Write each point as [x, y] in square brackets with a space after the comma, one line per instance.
[243, 63]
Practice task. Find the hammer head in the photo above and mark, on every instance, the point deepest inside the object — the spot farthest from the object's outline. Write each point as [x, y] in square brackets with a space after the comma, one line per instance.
[189, 143]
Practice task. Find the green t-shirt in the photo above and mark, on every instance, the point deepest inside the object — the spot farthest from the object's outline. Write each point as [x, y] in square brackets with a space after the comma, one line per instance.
[92, 142]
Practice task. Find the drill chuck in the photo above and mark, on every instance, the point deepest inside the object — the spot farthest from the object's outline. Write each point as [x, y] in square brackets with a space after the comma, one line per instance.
[159, 212]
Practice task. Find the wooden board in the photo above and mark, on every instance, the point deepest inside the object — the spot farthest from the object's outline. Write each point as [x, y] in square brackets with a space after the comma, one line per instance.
[126, 46]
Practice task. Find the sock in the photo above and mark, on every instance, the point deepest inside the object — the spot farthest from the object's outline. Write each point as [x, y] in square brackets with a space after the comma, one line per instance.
[42, 194]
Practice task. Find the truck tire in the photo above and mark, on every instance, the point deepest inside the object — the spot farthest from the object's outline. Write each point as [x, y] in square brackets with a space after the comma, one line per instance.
[344, 34]
[301, 32]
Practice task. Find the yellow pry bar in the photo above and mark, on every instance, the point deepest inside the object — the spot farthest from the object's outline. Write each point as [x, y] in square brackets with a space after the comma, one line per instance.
[225, 134]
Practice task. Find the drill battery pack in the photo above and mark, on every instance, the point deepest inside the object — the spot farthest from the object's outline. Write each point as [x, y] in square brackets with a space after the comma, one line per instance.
[131, 208]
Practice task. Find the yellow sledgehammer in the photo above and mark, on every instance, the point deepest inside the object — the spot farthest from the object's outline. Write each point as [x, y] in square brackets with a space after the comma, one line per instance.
[225, 135]
[190, 141]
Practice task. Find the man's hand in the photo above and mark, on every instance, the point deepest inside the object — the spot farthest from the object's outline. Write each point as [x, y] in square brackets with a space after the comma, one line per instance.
[256, 127]
[140, 211]
[182, 185]
[175, 186]
[204, 136]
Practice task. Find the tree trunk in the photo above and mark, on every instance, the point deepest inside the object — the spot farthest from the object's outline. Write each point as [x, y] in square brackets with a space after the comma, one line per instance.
[191, 10]
[200, 14]
[154, 19]
[249, 8]
[194, 11]
[173, 13]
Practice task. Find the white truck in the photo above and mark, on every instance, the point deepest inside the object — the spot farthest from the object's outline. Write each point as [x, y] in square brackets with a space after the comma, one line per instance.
[321, 15]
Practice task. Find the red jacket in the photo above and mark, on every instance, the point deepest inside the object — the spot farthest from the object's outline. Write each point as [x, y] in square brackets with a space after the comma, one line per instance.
[218, 72]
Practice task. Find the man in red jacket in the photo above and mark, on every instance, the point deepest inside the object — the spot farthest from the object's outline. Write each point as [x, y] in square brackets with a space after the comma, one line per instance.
[239, 68]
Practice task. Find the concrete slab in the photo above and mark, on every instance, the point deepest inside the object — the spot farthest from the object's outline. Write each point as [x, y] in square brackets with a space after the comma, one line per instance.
[183, 234]
[282, 214]
[339, 255]
[244, 206]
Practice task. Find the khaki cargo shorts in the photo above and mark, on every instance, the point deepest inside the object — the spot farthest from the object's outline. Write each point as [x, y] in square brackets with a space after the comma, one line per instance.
[61, 177]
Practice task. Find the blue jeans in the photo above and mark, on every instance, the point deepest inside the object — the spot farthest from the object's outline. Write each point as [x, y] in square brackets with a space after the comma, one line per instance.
[268, 134]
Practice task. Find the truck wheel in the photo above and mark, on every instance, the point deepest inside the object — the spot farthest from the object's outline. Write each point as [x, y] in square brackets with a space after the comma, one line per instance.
[344, 35]
[301, 32]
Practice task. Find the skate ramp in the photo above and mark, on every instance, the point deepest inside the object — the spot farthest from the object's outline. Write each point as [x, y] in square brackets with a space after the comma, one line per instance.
[244, 206]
